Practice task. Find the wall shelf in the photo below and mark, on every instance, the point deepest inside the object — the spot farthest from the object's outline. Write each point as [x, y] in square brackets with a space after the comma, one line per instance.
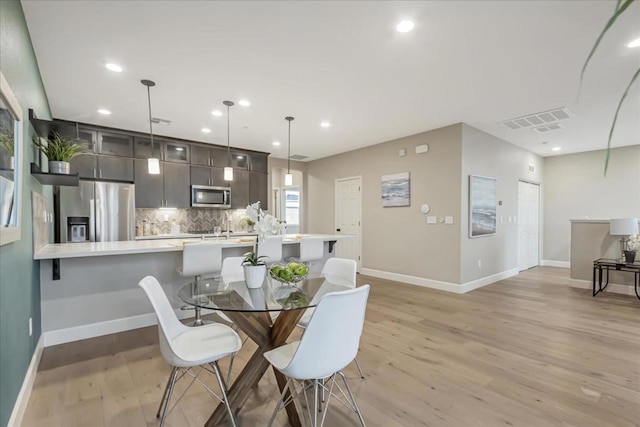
[44, 127]
[71, 180]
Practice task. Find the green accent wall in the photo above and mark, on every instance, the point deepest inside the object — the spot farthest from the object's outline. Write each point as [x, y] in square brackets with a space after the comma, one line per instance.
[19, 274]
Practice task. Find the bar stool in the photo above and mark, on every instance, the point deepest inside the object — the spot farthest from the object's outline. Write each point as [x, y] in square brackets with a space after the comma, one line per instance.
[200, 259]
[232, 270]
[311, 249]
[271, 249]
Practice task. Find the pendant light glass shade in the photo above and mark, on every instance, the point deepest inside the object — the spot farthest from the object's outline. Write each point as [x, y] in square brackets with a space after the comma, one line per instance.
[228, 173]
[153, 164]
[288, 177]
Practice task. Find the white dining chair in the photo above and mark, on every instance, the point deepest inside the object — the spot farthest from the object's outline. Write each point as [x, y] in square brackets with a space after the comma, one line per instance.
[271, 249]
[328, 345]
[200, 259]
[338, 268]
[232, 269]
[311, 249]
[185, 348]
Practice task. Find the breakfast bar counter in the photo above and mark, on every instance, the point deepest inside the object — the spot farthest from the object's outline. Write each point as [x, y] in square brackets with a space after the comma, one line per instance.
[94, 290]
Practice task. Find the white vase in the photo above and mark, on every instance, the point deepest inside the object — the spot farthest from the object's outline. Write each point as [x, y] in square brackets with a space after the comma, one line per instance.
[254, 275]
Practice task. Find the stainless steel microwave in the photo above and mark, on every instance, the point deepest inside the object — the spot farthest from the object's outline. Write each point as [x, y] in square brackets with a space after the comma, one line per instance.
[203, 196]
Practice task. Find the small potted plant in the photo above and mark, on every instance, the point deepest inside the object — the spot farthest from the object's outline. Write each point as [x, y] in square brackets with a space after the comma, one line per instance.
[6, 142]
[255, 270]
[60, 149]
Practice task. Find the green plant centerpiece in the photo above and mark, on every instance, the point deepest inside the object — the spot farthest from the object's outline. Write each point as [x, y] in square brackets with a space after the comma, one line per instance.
[291, 273]
[60, 149]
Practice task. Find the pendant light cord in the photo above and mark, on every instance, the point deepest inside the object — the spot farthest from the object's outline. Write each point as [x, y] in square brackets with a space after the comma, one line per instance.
[228, 143]
[150, 122]
[289, 151]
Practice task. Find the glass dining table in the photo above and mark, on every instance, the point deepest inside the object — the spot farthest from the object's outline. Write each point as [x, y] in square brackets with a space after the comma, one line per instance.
[267, 315]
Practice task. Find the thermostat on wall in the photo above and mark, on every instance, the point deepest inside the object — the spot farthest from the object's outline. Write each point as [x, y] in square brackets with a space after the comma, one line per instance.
[425, 208]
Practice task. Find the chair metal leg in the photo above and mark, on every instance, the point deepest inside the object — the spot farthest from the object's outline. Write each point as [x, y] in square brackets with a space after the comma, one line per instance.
[281, 400]
[353, 399]
[223, 389]
[316, 397]
[359, 368]
[166, 389]
[172, 383]
[233, 356]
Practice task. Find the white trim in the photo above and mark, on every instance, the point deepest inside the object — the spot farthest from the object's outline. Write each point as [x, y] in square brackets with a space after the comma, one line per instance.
[552, 263]
[440, 285]
[360, 259]
[20, 407]
[612, 287]
[92, 330]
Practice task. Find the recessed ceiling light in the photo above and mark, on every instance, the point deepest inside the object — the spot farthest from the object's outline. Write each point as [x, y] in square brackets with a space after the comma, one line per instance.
[325, 124]
[104, 112]
[405, 26]
[276, 143]
[244, 103]
[556, 149]
[113, 67]
[216, 113]
[206, 130]
[634, 43]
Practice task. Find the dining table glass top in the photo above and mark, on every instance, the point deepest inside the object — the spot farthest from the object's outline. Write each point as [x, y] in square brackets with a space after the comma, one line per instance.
[218, 294]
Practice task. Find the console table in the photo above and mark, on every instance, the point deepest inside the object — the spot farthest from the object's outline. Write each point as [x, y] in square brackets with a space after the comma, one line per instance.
[602, 266]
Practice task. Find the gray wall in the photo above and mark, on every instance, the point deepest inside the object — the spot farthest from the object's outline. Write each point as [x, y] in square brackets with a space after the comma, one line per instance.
[398, 239]
[576, 188]
[19, 274]
[486, 155]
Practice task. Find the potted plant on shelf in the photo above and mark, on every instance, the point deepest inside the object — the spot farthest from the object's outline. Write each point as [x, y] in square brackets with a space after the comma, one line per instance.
[60, 149]
[255, 270]
[6, 142]
[633, 244]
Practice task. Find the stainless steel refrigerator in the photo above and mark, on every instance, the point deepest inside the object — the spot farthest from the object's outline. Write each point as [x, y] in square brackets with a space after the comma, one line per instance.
[97, 211]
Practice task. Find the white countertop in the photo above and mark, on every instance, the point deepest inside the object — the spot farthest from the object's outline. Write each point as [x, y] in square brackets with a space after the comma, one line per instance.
[80, 250]
[192, 236]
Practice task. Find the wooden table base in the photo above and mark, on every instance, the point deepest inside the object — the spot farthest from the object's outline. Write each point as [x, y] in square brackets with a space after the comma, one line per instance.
[257, 325]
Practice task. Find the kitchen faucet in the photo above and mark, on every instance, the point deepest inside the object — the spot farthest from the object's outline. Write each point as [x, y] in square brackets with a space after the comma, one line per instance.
[228, 224]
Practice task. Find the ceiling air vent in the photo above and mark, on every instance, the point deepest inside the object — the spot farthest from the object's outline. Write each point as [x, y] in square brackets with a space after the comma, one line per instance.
[539, 119]
[548, 128]
[299, 157]
[158, 121]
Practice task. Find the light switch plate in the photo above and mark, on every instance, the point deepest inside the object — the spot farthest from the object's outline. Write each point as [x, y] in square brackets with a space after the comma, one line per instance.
[402, 152]
[432, 220]
[448, 220]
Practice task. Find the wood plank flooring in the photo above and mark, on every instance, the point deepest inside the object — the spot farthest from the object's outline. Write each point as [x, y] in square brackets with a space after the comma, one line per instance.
[527, 351]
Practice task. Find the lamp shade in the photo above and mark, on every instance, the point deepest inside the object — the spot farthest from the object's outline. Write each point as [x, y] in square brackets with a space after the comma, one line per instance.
[623, 226]
[154, 166]
[288, 179]
[228, 174]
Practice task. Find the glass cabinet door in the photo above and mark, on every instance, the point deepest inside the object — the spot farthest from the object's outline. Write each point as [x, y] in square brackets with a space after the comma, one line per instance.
[176, 152]
[88, 137]
[116, 144]
[240, 160]
[142, 148]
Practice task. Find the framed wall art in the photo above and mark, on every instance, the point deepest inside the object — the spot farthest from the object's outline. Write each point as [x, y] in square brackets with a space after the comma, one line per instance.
[482, 205]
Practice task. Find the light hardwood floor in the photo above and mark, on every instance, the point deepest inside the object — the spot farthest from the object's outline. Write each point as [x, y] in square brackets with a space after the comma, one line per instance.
[527, 351]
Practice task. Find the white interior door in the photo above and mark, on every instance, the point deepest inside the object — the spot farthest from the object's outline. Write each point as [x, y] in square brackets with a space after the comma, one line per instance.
[348, 217]
[528, 225]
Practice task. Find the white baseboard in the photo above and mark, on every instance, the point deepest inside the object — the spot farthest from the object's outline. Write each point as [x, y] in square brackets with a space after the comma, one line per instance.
[437, 284]
[612, 287]
[552, 263]
[19, 408]
[91, 330]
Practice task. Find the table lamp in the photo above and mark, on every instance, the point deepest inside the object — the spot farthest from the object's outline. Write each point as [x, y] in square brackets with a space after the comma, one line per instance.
[623, 227]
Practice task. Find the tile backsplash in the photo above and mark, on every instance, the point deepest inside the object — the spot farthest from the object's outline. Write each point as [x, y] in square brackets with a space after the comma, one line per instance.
[195, 219]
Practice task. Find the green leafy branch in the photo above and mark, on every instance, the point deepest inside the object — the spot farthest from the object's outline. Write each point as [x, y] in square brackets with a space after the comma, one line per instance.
[6, 142]
[60, 148]
[621, 7]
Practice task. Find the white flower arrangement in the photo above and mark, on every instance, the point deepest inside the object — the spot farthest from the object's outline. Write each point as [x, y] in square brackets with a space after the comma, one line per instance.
[633, 244]
[264, 224]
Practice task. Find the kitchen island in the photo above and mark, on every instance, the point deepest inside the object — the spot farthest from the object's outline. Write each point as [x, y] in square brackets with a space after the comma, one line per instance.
[98, 293]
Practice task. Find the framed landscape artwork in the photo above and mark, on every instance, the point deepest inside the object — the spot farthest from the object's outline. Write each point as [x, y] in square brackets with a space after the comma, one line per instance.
[396, 190]
[482, 205]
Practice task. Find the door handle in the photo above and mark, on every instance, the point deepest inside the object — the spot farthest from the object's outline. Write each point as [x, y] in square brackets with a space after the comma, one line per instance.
[337, 229]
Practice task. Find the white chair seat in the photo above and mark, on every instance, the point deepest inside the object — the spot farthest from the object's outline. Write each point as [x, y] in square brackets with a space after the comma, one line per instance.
[306, 317]
[281, 356]
[197, 346]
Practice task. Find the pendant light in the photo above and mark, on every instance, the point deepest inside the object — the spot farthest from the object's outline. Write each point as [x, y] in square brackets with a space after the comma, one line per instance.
[228, 171]
[153, 163]
[288, 177]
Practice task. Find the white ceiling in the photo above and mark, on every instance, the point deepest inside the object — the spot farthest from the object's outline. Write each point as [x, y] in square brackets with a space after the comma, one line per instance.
[478, 62]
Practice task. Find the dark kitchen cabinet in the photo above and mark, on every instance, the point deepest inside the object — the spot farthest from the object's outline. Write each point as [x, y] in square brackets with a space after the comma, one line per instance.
[240, 189]
[142, 148]
[258, 163]
[90, 138]
[219, 157]
[149, 188]
[258, 189]
[103, 167]
[200, 155]
[217, 178]
[200, 175]
[239, 160]
[177, 190]
[176, 152]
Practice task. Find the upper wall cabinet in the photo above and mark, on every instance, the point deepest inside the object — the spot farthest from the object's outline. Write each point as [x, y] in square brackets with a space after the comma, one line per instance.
[176, 152]
[115, 144]
[142, 147]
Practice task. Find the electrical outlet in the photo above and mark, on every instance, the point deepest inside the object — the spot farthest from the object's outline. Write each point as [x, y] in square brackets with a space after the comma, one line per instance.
[30, 326]
[479, 263]
[166, 217]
